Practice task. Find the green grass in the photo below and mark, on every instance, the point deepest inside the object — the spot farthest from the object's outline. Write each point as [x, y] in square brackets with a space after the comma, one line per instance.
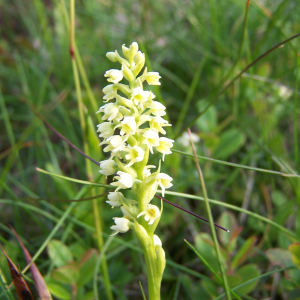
[248, 126]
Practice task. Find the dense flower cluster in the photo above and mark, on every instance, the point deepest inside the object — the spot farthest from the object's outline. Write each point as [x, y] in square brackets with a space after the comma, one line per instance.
[131, 129]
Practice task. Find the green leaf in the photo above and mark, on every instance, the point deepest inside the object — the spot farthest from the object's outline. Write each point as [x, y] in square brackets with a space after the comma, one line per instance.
[58, 291]
[233, 239]
[59, 253]
[295, 251]
[87, 267]
[230, 141]
[87, 296]
[280, 257]
[205, 246]
[66, 274]
[234, 280]
[278, 198]
[244, 251]
[227, 220]
[210, 287]
[246, 273]
[208, 121]
[93, 143]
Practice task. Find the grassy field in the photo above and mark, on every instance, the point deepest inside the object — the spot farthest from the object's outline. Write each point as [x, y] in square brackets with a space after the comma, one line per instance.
[245, 117]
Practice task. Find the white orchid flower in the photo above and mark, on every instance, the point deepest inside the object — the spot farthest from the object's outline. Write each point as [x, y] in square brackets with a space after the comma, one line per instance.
[151, 213]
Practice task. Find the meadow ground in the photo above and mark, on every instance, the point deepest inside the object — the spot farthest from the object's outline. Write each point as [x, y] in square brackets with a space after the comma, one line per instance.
[246, 119]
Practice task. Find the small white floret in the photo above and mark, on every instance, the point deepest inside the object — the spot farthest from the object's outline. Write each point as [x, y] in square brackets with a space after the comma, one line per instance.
[184, 139]
[139, 96]
[151, 139]
[106, 129]
[135, 154]
[122, 225]
[146, 171]
[157, 109]
[114, 76]
[151, 214]
[115, 199]
[128, 126]
[152, 78]
[115, 144]
[164, 146]
[164, 181]
[125, 181]
[111, 112]
[157, 124]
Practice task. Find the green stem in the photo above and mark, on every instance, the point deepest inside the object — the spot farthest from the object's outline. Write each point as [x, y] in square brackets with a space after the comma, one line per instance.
[211, 222]
[153, 283]
[296, 100]
[154, 279]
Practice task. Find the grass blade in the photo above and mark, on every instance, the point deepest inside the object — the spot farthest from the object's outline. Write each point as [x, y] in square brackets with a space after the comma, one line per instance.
[211, 221]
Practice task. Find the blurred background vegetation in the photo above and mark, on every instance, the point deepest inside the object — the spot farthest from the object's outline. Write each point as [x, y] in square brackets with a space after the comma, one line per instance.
[197, 47]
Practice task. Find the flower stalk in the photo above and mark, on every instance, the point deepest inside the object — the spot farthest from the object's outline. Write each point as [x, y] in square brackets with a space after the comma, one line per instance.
[131, 128]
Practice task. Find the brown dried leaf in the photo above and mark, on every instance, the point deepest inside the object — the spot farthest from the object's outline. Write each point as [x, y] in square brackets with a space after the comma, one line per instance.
[37, 277]
[22, 289]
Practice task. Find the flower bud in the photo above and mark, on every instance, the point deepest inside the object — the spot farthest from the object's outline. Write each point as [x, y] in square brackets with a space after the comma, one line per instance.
[160, 254]
[115, 199]
[106, 129]
[139, 60]
[108, 167]
[127, 73]
[111, 56]
[122, 60]
[130, 52]
[123, 101]
[123, 88]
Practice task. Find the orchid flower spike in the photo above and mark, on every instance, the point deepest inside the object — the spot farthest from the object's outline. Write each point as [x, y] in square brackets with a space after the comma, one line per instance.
[132, 128]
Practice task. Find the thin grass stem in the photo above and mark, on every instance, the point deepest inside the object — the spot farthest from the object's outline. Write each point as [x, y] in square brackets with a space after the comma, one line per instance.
[237, 165]
[241, 44]
[83, 124]
[190, 95]
[237, 208]
[211, 221]
[296, 105]
[256, 278]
